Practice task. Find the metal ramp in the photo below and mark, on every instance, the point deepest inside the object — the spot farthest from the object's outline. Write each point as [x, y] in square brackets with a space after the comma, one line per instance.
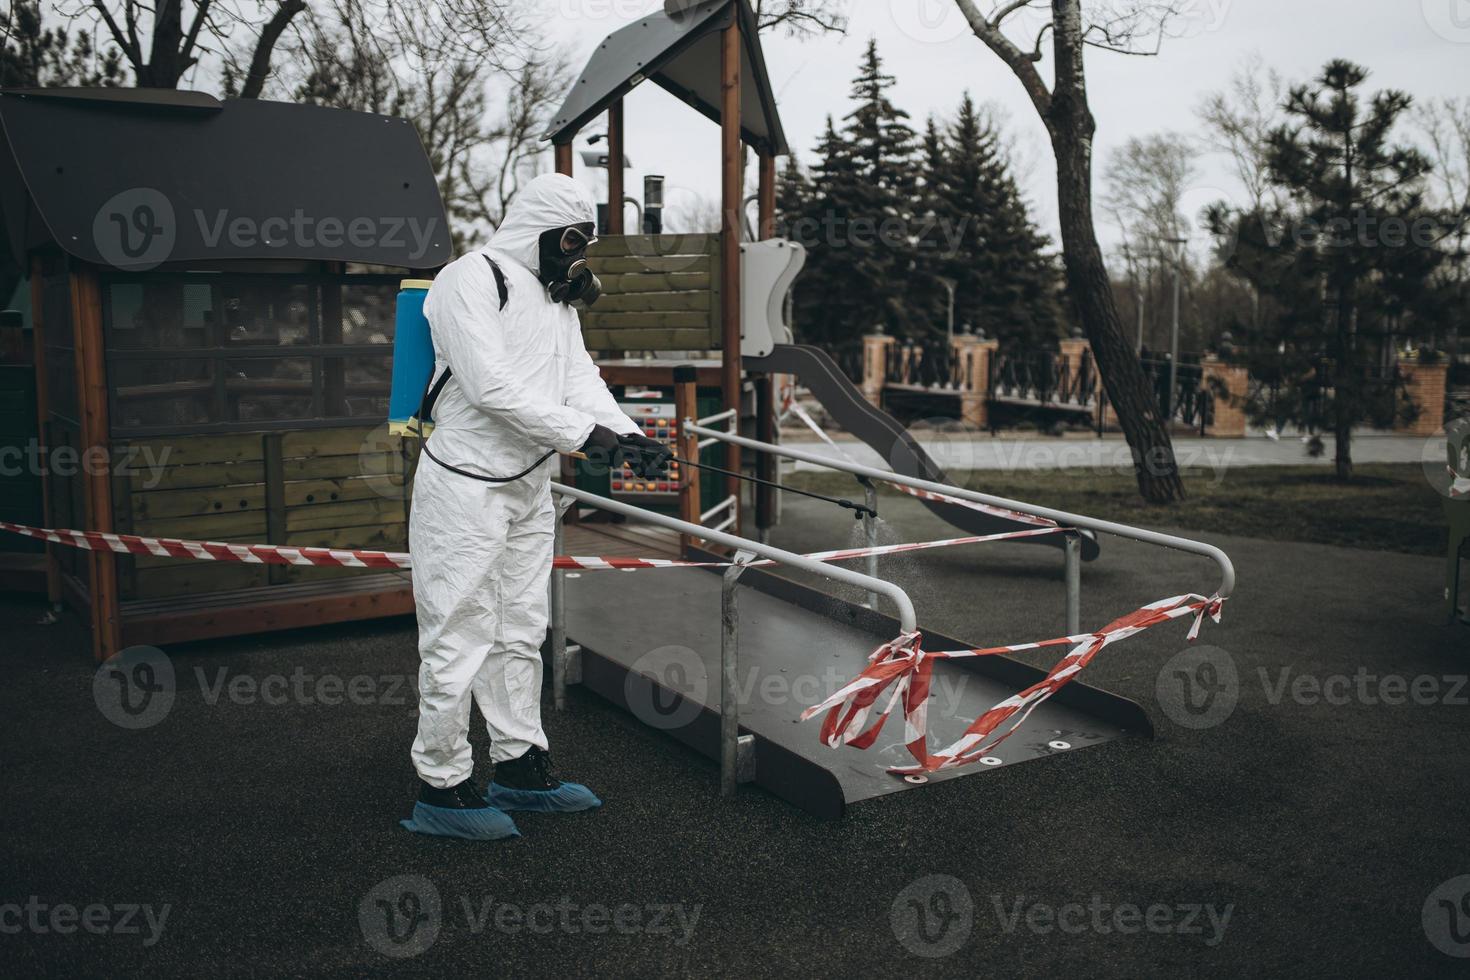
[731, 676]
[797, 645]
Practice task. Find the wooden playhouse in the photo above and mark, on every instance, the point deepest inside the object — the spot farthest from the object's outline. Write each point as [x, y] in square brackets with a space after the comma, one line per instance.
[212, 289]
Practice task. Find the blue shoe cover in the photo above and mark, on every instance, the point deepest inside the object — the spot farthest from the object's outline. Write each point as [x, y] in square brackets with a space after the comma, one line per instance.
[439, 821]
[566, 798]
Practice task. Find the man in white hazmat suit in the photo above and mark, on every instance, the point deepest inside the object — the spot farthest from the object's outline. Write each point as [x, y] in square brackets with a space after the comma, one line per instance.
[520, 387]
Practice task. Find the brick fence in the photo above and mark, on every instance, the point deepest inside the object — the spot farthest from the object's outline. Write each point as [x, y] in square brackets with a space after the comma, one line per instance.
[1229, 383]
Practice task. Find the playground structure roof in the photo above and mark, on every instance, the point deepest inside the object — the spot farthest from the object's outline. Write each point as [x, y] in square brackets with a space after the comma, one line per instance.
[228, 180]
[678, 49]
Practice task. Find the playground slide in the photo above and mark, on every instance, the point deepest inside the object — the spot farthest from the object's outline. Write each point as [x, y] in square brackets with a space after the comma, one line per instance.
[844, 402]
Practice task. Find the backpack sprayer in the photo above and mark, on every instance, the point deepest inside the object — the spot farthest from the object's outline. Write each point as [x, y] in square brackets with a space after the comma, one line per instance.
[415, 390]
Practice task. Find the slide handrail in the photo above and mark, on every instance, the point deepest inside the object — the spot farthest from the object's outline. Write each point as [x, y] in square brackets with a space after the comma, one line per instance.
[1157, 538]
[907, 618]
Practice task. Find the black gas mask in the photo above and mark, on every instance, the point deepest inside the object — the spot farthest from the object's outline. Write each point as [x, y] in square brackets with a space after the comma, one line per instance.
[564, 270]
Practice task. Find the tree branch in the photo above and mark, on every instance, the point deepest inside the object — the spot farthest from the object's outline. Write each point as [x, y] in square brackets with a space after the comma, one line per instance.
[127, 41]
[1019, 62]
[1007, 10]
[260, 61]
[201, 13]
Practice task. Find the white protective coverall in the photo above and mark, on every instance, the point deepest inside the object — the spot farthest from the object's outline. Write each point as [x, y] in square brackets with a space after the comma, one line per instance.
[523, 383]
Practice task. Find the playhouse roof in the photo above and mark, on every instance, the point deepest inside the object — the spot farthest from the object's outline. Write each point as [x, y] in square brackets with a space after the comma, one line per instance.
[185, 177]
[679, 50]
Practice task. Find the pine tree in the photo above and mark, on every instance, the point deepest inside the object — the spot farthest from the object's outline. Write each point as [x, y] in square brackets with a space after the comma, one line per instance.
[934, 253]
[31, 56]
[1006, 283]
[829, 307]
[877, 200]
[1357, 228]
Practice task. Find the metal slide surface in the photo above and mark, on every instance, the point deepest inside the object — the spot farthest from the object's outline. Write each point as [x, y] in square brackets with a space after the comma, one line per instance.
[659, 658]
[883, 433]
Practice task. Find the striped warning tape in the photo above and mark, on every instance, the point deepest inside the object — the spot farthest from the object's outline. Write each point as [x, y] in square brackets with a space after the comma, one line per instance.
[906, 667]
[901, 663]
[991, 509]
[271, 554]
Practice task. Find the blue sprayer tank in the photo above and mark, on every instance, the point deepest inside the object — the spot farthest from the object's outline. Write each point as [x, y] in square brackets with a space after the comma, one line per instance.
[413, 355]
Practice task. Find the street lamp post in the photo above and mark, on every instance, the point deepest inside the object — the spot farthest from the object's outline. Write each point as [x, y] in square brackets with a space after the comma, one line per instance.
[1178, 244]
[949, 286]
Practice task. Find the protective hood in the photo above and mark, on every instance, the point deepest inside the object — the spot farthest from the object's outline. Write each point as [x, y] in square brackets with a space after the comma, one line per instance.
[549, 201]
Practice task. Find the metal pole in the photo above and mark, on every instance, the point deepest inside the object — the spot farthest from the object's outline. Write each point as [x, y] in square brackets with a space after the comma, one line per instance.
[949, 286]
[870, 533]
[559, 623]
[1073, 549]
[1178, 244]
[907, 619]
[1222, 560]
[730, 676]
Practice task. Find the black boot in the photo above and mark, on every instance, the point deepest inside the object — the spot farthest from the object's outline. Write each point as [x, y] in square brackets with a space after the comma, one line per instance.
[461, 797]
[458, 811]
[531, 771]
[527, 784]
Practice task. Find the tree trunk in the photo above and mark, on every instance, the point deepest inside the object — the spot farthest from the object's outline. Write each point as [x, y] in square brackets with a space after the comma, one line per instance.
[1344, 384]
[265, 47]
[167, 62]
[1091, 289]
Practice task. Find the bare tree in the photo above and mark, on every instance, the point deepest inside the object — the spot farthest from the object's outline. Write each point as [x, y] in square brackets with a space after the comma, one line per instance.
[514, 140]
[34, 54]
[1129, 28]
[1146, 179]
[1446, 127]
[1239, 118]
[164, 42]
[252, 46]
[801, 17]
[479, 158]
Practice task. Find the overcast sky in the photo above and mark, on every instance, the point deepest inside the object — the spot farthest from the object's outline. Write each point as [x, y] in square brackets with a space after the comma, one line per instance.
[1421, 46]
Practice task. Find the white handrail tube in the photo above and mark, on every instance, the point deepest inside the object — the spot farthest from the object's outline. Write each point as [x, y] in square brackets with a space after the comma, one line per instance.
[908, 620]
[1227, 568]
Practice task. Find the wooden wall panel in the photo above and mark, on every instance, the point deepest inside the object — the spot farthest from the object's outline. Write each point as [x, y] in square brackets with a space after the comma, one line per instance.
[659, 293]
[337, 488]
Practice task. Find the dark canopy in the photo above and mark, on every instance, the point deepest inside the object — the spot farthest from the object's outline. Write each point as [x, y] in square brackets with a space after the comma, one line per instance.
[678, 49]
[135, 177]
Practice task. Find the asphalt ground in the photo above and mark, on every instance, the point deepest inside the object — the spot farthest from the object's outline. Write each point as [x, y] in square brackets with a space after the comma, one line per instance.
[1309, 823]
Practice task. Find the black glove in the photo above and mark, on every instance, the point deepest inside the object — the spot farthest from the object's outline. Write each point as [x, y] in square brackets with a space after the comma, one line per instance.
[648, 458]
[602, 447]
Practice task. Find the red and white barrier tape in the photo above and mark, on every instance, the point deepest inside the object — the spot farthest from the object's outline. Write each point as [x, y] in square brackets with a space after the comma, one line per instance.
[249, 554]
[271, 554]
[901, 663]
[905, 666]
[991, 509]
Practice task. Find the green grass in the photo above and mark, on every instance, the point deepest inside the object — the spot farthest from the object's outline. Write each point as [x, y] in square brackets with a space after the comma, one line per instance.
[1384, 508]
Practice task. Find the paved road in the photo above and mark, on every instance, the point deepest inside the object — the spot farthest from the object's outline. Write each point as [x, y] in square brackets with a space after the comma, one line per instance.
[1306, 830]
